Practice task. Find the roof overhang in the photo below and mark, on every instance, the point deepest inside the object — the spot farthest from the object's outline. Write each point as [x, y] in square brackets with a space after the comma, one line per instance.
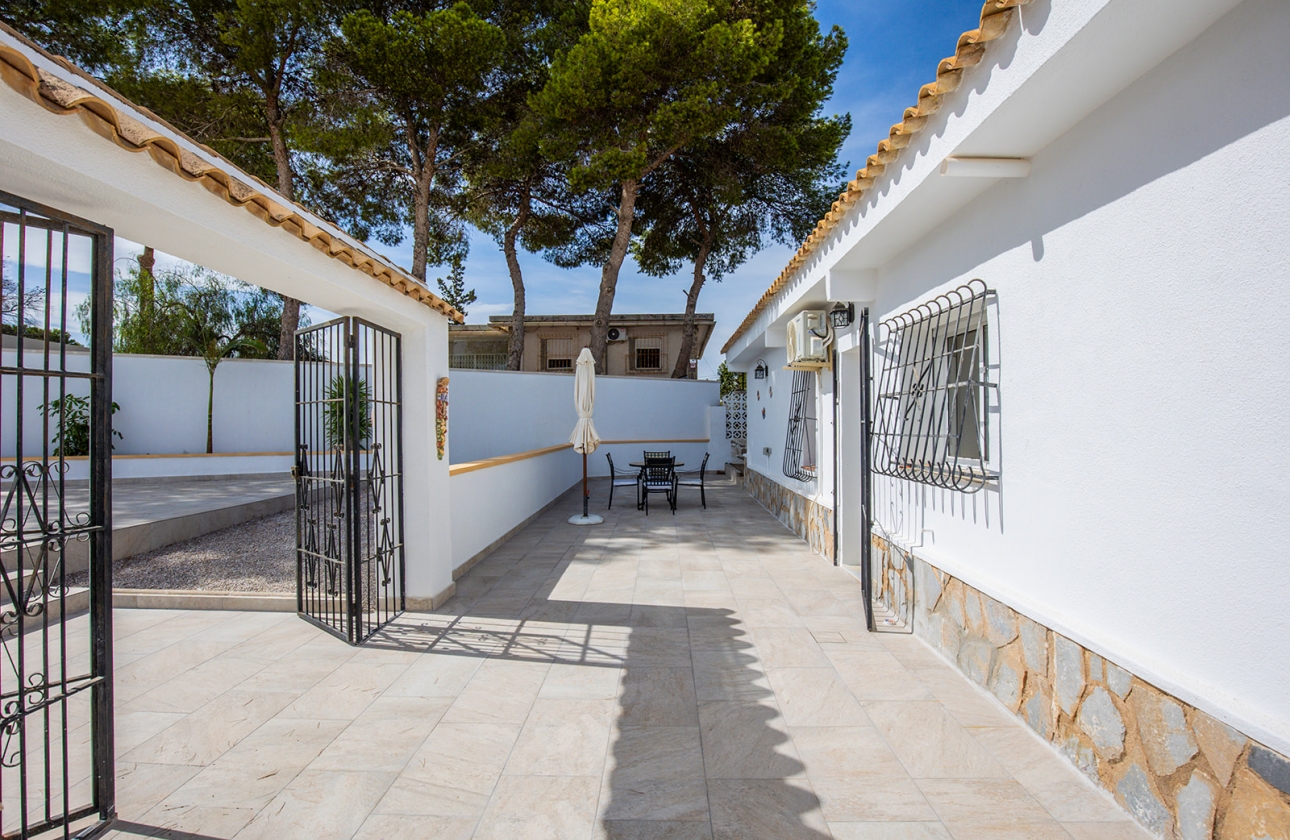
[1051, 66]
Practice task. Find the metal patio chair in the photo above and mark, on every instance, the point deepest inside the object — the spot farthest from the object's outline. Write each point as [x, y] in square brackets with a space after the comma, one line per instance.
[658, 456]
[659, 477]
[625, 481]
[688, 479]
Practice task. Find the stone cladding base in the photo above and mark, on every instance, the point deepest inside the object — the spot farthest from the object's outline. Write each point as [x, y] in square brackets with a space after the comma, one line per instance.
[810, 520]
[1179, 771]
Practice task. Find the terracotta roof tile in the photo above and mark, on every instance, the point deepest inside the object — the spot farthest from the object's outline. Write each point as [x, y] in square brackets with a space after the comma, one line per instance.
[996, 17]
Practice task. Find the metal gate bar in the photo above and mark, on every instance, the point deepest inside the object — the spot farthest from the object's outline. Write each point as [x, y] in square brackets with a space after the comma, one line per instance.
[349, 477]
[56, 725]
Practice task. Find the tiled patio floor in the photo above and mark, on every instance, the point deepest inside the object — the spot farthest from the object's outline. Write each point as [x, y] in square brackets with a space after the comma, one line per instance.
[701, 675]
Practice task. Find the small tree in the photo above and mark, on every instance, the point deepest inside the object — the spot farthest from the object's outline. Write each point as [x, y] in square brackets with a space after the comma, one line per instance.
[453, 287]
[213, 324]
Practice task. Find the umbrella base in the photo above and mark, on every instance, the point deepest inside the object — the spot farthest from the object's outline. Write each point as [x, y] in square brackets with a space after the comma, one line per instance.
[581, 519]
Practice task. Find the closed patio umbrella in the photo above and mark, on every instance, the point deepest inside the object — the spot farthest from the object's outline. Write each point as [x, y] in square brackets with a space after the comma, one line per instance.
[584, 437]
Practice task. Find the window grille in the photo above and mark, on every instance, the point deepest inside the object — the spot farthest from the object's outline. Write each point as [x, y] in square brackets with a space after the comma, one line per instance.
[799, 448]
[930, 410]
[559, 353]
[647, 353]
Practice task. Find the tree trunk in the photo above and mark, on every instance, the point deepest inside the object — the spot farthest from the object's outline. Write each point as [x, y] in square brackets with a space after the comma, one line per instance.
[287, 186]
[682, 367]
[147, 286]
[421, 225]
[210, 412]
[609, 276]
[515, 347]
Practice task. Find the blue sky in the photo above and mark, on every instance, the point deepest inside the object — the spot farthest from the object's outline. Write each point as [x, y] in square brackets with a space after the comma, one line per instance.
[894, 48]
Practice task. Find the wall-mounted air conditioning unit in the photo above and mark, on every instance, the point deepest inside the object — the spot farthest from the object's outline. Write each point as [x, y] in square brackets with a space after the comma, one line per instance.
[805, 344]
[615, 334]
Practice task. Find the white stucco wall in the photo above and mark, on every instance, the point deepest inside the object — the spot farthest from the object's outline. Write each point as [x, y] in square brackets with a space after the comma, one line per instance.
[774, 394]
[488, 503]
[493, 413]
[1143, 274]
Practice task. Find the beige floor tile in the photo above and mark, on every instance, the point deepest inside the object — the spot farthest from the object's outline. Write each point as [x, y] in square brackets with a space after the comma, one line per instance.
[454, 772]
[700, 581]
[660, 612]
[385, 736]
[583, 682]
[889, 831]
[1064, 792]
[187, 821]
[969, 705]
[746, 741]
[345, 692]
[987, 830]
[872, 799]
[153, 669]
[133, 727]
[212, 730]
[782, 809]
[658, 647]
[258, 768]
[407, 827]
[788, 647]
[930, 743]
[436, 675]
[845, 752]
[655, 773]
[876, 675]
[319, 804]
[198, 686]
[295, 674]
[658, 697]
[997, 801]
[501, 691]
[753, 587]
[652, 830]
[729, 675]
[1107, 831]
[540, 808]
[769, 612]
[563, 737]
[816, 602]
[815, 697]
[140, 787]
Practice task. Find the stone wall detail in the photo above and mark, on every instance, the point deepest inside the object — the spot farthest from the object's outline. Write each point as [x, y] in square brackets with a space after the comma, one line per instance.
[808, 519]
[1181, 773]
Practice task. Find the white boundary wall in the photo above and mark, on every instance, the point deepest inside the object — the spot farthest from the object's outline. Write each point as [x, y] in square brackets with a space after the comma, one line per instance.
[488, 503]
[495, 413]
[163, 409]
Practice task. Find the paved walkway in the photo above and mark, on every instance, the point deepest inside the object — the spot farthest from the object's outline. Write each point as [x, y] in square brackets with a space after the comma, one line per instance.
[692, 676]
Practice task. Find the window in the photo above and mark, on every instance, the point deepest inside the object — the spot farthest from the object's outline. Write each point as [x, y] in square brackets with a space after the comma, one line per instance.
[559, 353]
[799, 448]
[930, 413]
[647, 353]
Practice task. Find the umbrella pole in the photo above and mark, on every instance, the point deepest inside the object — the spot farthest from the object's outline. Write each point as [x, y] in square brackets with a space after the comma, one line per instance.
[585, 496]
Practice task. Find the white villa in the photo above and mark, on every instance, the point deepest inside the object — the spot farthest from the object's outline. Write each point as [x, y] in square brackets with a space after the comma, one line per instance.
[1068, 265]
[1019, 400]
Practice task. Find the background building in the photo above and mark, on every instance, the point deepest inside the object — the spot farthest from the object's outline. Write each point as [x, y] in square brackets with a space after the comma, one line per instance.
[640, 345]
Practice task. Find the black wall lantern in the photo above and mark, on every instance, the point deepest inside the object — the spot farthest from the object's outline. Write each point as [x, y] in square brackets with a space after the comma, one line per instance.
[842, 315]
[761, 370]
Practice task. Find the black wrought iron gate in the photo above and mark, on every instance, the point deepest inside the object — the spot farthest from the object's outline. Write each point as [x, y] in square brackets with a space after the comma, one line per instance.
[349, 477]
[56, 727]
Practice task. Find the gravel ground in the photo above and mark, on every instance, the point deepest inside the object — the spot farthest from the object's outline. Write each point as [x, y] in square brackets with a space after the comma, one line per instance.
[256, 556]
